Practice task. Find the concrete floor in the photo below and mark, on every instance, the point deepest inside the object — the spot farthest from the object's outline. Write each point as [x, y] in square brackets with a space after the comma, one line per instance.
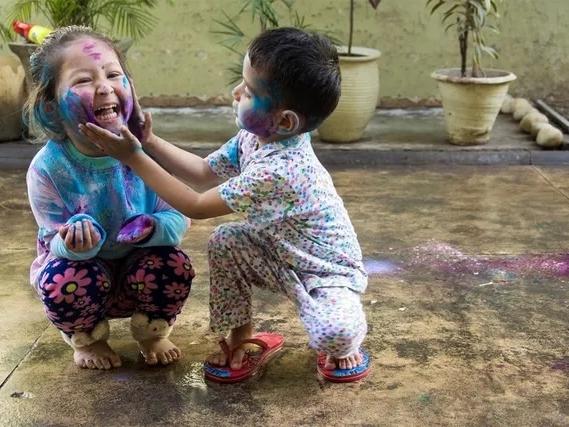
[467, 307]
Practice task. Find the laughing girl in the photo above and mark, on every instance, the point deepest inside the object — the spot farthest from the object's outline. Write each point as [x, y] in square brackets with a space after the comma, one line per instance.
[106, 245]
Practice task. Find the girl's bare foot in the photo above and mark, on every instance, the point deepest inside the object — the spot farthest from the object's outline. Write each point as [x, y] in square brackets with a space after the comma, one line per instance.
[98, 355]
[348, 362]
[235, 337]
[159, 350]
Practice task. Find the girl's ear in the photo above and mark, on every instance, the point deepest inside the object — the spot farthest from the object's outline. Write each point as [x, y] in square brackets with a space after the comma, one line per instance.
[289, 124]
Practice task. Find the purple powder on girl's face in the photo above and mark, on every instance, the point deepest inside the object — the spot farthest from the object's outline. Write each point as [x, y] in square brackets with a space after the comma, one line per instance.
[88, 49]
[137, 229]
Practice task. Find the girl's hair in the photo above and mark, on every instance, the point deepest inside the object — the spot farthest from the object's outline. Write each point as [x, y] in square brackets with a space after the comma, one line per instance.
[40, 110]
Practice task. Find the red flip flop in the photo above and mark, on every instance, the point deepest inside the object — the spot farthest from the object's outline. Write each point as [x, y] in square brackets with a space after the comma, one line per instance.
[253, 363]
[338, 375]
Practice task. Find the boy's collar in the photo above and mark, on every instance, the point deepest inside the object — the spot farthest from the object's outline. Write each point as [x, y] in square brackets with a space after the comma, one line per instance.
[291, 142]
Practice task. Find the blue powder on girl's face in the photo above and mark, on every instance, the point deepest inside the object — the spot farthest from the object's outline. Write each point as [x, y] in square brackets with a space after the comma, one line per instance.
[71, 107]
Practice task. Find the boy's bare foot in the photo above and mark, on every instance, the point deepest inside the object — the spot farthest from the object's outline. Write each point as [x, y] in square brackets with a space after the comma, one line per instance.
[347, 362]
[159, 350]
[235, 337]
[98, 355]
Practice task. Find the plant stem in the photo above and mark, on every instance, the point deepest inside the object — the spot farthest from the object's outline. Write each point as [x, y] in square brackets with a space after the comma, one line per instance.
[463, 41]
[351, 27]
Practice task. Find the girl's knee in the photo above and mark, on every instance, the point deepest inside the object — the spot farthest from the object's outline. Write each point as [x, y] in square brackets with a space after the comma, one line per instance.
[77, 284]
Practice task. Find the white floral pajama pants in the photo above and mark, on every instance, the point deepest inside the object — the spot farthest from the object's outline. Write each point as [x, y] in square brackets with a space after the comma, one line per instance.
[333, 316]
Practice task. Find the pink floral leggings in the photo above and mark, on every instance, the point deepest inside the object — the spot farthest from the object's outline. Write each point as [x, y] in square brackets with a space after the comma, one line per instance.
[77, 295]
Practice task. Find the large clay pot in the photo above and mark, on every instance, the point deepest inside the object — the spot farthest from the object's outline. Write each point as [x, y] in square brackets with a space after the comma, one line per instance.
[471, 104]
[360, 91]
[12, 98]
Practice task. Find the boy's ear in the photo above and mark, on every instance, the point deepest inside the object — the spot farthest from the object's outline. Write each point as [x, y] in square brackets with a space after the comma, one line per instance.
[289, 124]
[49, 107]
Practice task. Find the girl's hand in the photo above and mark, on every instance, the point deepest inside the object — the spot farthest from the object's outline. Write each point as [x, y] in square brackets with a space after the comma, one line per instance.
[136, 230]
[122, 147]
[81, 236]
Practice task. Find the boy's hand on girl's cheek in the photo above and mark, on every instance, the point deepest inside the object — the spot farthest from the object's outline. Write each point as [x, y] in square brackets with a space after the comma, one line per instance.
[121, 147]
[136, 230]
[136, 123]
[81, 236]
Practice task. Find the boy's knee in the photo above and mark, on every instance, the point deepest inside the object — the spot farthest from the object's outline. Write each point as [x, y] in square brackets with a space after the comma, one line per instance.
[226, 235]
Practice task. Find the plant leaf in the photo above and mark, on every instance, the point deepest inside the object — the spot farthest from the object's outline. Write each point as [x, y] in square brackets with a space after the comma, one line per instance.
[374, 3]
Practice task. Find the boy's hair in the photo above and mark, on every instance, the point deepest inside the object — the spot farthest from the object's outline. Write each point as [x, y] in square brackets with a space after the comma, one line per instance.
[305, 69]
[40, 110]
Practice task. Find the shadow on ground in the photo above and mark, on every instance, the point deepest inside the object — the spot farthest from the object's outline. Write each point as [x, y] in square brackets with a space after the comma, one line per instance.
[467, 306]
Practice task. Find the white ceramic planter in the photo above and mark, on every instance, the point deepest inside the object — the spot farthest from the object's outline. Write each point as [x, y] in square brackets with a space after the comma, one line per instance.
[471, 104]
[360, 91]
[11, 98]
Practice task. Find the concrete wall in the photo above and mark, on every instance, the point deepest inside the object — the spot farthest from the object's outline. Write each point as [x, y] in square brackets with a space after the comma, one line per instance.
[181, 62]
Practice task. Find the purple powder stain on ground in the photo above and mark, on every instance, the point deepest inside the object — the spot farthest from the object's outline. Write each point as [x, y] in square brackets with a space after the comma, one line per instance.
[561, 365]
[447, 259]
[380, 267]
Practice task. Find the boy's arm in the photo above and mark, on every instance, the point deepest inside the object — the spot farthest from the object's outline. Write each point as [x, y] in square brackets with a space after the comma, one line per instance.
[187, 166]
[175, 192]
[126, 148]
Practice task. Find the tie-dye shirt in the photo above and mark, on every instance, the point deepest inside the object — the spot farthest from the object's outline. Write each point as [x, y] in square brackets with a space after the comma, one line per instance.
[288, 197]
[65, 186]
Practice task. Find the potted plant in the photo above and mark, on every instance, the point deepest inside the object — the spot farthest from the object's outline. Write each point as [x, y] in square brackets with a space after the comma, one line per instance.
[266, 14]
[360, 90]
[471, 96]
[11, 93]
[132, 19]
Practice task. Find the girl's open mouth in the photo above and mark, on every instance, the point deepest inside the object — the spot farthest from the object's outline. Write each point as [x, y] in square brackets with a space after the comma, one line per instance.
[107, 113]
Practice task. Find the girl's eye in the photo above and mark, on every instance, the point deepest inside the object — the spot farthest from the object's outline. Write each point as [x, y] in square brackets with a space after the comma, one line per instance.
[83, 80]
[114, 74]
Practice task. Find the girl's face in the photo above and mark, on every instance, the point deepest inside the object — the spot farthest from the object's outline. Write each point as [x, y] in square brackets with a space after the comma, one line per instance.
[252, 104]
[92, 87]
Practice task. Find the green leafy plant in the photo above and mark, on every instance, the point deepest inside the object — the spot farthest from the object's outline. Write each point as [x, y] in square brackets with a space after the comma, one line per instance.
[470, 18]
[374, 4]
[267, 14]
[131, 18]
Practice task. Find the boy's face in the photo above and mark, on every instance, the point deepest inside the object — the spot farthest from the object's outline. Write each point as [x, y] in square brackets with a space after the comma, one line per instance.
[92, 86]
[253, 106]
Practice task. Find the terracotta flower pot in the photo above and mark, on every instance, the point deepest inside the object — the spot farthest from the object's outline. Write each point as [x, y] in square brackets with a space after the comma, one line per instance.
[360, 91]
[471, 104]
